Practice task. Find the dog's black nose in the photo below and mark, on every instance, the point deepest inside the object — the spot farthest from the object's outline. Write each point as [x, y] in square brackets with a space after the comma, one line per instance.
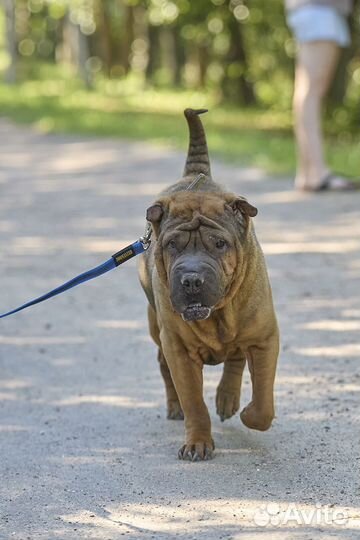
[192, 282]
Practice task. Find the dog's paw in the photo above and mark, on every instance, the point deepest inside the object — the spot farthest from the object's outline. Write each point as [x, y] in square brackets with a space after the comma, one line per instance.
[227, 403]
[174, 411]
[252, 418]
[199, 451]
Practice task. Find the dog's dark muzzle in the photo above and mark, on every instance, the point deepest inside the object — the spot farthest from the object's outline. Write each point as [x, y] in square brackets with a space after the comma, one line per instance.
[194, 288]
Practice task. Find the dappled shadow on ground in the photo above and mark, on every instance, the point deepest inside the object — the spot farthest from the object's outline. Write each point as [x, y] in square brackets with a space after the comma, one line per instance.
[86, 451]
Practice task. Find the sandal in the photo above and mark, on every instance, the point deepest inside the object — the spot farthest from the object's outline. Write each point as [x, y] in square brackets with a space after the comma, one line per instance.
[336, 182]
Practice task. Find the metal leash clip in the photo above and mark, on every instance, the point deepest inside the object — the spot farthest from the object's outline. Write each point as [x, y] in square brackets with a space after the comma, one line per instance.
[145, 239]
[196, 183]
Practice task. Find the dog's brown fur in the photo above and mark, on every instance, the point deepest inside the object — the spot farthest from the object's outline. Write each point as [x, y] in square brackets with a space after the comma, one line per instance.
[242, 326]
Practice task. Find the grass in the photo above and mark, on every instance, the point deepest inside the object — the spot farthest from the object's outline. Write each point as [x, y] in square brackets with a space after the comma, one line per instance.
[115, 108]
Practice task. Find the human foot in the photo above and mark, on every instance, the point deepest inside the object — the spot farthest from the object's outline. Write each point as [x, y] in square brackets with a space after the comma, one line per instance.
[330, 182]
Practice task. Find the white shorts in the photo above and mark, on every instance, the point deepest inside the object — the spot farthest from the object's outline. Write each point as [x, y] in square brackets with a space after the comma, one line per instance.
[319, 23]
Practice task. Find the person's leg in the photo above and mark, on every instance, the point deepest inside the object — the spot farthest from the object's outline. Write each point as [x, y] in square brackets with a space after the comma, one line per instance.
[315, 67]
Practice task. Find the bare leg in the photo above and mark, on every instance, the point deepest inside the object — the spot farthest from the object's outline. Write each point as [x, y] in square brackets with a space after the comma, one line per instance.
[315, 67]
[228, 391]
[259, 413]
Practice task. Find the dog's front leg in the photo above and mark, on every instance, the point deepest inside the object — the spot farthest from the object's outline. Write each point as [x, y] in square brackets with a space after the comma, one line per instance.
[187, 375]
[262, 359]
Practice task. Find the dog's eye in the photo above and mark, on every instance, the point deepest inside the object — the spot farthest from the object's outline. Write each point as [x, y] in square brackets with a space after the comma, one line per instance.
[220, 244]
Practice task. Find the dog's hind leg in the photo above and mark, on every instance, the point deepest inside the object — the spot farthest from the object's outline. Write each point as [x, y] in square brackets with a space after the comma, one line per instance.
[174, 411]
[228, 391]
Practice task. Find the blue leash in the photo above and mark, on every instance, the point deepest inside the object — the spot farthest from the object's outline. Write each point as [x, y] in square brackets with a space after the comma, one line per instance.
[118, 258]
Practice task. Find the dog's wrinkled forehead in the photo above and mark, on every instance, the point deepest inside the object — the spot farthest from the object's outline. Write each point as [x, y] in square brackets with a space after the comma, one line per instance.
[194, 224]
[224, 210]
[193, 207]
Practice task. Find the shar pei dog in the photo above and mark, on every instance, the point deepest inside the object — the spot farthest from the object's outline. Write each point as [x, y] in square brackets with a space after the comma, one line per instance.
[210, 300]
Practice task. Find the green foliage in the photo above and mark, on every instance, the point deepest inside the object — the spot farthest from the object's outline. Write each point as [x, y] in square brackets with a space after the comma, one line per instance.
[56, 103]
[235, 56]
[241, 49]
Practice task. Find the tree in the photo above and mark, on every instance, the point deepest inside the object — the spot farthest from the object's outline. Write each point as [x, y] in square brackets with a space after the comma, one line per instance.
[11, 42]
[236, 85]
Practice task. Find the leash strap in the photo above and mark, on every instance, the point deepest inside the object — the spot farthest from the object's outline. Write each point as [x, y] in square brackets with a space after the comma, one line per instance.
[116, 260]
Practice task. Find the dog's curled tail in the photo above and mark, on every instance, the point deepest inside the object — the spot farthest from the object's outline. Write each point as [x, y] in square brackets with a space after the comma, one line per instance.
[197, 160]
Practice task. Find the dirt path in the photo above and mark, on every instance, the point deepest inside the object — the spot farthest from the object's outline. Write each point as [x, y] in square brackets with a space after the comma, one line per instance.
[86, 451]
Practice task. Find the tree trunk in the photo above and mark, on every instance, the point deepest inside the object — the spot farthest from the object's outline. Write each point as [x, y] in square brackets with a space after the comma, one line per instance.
[154, 52]
[236, 87]
[75, 49]
[167, 52]
[10, 75]
[203, 58]
[128, 37]
[180, 57]
[82, 56]
[104, 30]
[341, 79]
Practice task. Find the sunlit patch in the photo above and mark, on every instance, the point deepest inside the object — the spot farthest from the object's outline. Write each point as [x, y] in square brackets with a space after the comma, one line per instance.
[316, 233]
[122, 324]
[8, 396]
[238, 451]
[31, 242]
[309, 415]
[281, 197]
[102, 245]
[332, 325]
[12, 428]
[80, 159]
[79, 460]
[292, 380]
[307, 304]
[95, 223]
[350, 313]
[144, 339]
[39, 245]
[351, 349]
[283, 248]
[41, 340]
[249, 174]
[56, 185]
[60, 362]
[6, 226]
[113, 401]
[194, 517]
[14, 384]
[134, 189]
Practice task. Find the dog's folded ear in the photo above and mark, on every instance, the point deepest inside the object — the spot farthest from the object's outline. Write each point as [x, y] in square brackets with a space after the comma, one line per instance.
[240, 205]
[155, 213]
[241, 209]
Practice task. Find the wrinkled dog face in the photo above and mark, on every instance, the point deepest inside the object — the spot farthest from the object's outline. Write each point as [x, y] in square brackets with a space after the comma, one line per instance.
[200, 262]
[198, 237]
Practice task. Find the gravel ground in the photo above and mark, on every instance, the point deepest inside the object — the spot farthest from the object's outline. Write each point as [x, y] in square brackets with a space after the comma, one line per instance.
[86, 450]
